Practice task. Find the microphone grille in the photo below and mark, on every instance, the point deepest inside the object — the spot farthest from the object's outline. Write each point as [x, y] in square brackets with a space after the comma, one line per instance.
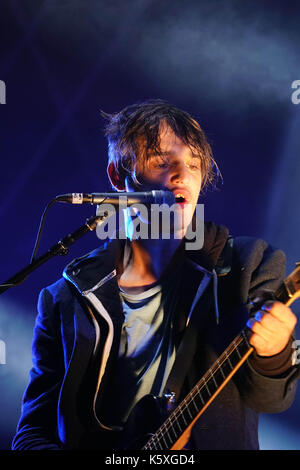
[164, 197]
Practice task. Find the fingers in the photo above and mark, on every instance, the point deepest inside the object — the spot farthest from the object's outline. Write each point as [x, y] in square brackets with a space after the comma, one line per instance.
[272, 327]
[267, 321]
[263, 326]
[280, 311]
[259, 344]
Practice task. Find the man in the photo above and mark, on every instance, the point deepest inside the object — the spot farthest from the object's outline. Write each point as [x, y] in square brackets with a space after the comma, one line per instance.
[108, 332]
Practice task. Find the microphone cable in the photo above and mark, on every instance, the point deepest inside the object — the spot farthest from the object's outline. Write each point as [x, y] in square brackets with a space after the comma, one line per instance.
[41, 228]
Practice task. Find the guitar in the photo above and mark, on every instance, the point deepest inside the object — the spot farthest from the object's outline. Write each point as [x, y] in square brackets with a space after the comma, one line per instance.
[175, 431]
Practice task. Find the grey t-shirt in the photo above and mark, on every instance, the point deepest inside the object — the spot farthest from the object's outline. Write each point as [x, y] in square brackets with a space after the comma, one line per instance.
[147, 349]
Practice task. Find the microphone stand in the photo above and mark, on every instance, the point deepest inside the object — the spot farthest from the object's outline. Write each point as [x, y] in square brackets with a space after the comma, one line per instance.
[61, 248]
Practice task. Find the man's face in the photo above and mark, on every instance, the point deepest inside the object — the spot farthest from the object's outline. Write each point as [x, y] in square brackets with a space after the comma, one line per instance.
[175, 169]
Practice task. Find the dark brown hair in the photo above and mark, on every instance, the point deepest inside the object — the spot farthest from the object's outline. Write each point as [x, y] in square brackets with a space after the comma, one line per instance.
[123, 129]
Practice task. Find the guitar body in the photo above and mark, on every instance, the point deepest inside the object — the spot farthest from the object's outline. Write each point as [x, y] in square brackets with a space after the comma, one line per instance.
[145, 418]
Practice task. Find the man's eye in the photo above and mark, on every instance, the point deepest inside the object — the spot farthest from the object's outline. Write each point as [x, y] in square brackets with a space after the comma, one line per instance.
[159, 164]
[162, 165]
[193, 166]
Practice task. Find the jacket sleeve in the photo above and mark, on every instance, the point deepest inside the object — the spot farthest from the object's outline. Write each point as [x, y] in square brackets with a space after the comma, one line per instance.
[37, 427]
[263, 269]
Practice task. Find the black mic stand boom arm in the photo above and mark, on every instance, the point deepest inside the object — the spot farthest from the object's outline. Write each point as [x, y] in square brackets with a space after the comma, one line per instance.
[61, 248]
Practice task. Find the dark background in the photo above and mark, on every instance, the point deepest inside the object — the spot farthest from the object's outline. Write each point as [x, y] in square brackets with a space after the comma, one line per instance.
[230, 64]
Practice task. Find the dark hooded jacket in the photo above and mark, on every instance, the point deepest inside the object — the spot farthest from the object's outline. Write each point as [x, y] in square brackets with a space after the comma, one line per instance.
[77, 335]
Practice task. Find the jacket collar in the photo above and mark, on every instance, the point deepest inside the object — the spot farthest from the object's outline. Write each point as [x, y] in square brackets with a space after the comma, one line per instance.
[93, 270]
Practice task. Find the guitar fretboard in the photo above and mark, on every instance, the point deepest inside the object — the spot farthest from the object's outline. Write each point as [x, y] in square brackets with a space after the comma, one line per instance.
[200, 396]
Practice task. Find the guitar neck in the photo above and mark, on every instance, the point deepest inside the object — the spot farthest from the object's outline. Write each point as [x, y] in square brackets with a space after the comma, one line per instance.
[203, 393]
[183, 418]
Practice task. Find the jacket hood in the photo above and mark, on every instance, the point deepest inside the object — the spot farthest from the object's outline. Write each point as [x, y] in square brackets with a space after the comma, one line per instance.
[212, 255]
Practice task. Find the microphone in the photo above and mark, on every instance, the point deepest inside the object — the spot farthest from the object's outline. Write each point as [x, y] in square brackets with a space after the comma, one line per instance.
[116, 199]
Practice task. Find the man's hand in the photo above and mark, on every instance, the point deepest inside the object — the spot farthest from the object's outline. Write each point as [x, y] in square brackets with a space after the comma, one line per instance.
[272, 327]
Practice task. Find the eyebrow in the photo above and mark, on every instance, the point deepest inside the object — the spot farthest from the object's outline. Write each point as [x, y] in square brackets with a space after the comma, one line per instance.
[153, 153]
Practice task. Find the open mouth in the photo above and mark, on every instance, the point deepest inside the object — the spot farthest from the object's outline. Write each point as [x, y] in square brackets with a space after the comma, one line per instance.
[180, 198]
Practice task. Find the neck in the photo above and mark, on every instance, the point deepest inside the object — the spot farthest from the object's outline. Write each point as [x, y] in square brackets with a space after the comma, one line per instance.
[148, 262]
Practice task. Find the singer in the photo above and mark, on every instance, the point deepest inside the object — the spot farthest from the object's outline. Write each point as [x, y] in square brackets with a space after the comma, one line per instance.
[139, 317]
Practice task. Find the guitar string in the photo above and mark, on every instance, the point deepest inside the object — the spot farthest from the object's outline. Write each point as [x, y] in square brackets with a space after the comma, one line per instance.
[169, 424]
[165, 427]
[185, 405]
[195, 391]
[217, 366]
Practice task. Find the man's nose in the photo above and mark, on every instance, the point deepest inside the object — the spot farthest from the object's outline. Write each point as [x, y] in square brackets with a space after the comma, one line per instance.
[178, 173]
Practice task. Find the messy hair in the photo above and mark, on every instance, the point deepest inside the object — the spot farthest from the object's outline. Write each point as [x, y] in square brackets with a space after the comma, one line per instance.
[123, 129]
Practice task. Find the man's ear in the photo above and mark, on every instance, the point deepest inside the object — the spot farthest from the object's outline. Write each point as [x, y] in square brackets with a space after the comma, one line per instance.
[114, 177]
